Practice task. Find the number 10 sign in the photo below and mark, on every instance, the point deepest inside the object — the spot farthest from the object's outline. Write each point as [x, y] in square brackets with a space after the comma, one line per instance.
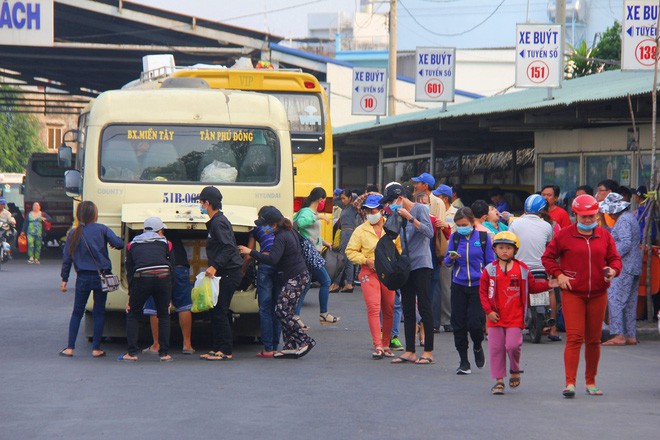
[538, 55]
[369, 95]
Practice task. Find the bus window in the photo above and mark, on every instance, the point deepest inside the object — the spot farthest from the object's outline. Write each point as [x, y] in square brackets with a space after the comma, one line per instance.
[189, 154]
[305, 114]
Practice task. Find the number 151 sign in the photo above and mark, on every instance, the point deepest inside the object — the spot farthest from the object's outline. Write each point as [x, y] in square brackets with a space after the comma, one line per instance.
[538, 55]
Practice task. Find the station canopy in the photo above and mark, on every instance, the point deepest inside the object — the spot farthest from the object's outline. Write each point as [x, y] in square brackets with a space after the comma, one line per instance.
[99, 45]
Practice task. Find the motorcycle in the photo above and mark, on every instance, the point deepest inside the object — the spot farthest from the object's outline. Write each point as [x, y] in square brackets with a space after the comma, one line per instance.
[539, 311]
[7, 234]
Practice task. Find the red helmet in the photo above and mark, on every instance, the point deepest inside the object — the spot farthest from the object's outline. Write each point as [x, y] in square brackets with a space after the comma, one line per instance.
[585, 204]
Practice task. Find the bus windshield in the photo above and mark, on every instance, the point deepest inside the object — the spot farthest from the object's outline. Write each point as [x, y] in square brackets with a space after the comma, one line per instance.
[189, 154]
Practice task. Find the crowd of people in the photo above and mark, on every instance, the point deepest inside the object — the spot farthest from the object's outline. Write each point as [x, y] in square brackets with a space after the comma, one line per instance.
[472, 270]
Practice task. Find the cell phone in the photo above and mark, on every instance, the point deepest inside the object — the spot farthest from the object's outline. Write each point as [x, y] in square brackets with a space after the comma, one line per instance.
[606, 271]
[453, 252]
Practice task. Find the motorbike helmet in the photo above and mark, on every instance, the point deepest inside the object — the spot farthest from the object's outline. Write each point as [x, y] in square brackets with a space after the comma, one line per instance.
[507, 237]
[584, 204]
[534, 204]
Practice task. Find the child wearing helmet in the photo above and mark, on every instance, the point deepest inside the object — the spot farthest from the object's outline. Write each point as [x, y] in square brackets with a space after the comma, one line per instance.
[505, 284]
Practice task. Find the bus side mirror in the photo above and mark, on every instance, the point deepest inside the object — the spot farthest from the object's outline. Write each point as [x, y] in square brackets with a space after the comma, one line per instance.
[72, 183]
[64, 156]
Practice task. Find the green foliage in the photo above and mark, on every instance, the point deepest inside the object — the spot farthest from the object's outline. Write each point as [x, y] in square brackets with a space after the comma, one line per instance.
[606, 55]
[581, 62]
[609, 46]
[19, 138]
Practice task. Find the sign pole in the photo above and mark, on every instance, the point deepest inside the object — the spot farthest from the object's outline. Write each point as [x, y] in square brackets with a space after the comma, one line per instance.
[392, 61]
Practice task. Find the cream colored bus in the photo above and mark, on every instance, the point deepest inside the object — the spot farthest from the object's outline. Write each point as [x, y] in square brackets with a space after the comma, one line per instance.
[149, 153]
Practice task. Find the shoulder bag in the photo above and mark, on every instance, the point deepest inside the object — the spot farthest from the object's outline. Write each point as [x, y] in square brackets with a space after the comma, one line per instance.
[109, 282]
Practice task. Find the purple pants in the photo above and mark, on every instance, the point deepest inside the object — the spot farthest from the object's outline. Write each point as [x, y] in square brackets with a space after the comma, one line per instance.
[503, 341]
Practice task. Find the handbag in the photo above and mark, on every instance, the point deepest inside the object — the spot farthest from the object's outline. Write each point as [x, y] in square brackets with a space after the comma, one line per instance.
[334, 262]
[312, 257]
[441, 243]
[109, 282]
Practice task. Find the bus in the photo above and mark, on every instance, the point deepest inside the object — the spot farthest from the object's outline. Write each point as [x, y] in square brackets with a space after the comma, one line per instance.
[150, 152]
[307, 111]
[44, 183]
[11, 188]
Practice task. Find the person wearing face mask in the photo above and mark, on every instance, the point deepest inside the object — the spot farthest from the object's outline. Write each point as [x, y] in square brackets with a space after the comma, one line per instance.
[224, 262]
[308, 221]
[419, 232]
[468, 252]
[584, 259]
[378, 298]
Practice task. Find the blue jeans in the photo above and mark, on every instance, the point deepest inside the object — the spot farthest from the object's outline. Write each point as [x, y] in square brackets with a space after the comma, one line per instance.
[397, 313]
[320, 275]
[268, 289]
[86, 282]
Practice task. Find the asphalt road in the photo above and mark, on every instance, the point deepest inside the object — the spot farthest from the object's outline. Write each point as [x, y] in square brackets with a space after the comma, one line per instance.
[337, 391]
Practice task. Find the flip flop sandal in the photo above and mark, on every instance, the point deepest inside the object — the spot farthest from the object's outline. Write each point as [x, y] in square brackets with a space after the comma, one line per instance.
[266, 354]
[378, 354]
[209, 354]
[498, 388]
[62, 353]
[388, 353]
[191, 351]
[100, 355]
[218, 357]
[402, 360]
[569, 391]
[123, 358]
[514, 381]
[423, 360]
[594, 391]
[286, 354]
[167, 358]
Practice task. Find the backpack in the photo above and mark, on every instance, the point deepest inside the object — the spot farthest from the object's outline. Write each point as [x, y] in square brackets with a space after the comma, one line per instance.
[392, 267]
[483, 239]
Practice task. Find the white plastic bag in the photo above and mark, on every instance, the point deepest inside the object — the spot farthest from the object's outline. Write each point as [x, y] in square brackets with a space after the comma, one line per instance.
[215, 284]
[219, 172]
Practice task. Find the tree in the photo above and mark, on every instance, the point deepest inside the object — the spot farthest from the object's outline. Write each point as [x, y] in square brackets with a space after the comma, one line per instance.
[19, 137]
[609, 47]
[606, 55]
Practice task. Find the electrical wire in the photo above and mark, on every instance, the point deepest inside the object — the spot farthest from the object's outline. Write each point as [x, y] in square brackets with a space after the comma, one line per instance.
[255, 14]
[450, 35]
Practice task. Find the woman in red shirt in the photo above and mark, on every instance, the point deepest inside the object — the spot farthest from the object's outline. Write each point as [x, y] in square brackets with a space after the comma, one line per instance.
[584, 260]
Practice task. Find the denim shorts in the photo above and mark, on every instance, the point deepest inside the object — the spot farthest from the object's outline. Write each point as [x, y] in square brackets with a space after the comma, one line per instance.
[181, 289]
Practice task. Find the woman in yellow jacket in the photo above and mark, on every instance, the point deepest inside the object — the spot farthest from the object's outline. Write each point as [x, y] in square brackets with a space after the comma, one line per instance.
[360, 250]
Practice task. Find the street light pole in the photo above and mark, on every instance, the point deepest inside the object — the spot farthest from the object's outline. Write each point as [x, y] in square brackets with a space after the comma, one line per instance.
[391, 65]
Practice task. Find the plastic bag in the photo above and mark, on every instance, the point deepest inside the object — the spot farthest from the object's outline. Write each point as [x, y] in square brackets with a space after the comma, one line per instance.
[219, 172]
[205, 293]
[22, 243]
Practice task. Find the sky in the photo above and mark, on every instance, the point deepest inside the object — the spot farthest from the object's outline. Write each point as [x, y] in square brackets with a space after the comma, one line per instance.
[449, 23]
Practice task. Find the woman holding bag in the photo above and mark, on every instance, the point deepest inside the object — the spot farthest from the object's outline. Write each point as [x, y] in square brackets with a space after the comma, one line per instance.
[86, 246]
[309, 225]
[285, 255]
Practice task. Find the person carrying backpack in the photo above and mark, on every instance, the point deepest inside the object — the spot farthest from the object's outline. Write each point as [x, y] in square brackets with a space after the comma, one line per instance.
[378, 298]
[417, 244]
[468, 252]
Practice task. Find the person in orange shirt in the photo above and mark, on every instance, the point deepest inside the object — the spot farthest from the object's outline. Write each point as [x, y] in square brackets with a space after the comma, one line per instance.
[551, 193]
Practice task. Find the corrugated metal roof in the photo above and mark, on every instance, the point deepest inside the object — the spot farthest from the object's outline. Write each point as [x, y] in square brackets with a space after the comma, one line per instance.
[601, 87]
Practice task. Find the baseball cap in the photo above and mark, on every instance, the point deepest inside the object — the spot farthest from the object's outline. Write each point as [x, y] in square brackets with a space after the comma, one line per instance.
[372, 201]
[425, 178]
[337, 191]
[3, 201]
[269, 216]
[392, 192]
[210, 193]
[443, 190]
[641, 191]
[154, 224]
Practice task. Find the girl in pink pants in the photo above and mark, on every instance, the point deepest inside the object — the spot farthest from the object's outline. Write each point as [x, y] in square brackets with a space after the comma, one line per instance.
[503, 289]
